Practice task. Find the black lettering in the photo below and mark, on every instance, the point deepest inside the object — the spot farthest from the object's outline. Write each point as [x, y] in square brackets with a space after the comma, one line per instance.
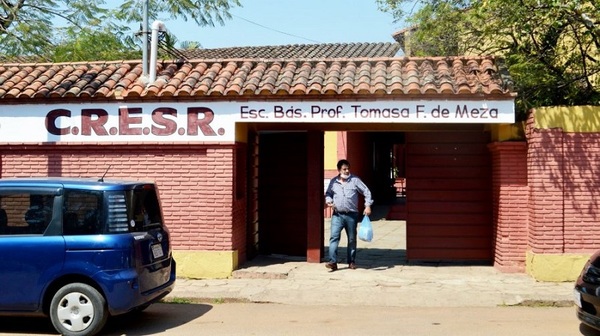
[290, 113]
[247, 113]
[461, 113]
[278, 111]
[51, 118]
[420, 110]
[440, 112]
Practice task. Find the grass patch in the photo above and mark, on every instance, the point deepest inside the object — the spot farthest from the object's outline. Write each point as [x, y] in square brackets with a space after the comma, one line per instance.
[178, 300]
[545, 303]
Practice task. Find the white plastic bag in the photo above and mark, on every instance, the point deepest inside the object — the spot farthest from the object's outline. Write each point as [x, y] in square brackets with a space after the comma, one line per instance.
[365, 230]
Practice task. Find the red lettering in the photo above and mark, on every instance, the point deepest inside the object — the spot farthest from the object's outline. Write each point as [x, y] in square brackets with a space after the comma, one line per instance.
[93, 119]
[203, 124]
[125, 120]
[169, 126]
[164, 122]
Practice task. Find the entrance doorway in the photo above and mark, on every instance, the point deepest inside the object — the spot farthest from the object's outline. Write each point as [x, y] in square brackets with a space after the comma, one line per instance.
[282, 193]
[445, 192]
[289, 197]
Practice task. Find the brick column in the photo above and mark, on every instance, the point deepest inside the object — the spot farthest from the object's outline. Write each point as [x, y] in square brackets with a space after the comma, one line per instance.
[315, 202]
[510, 204]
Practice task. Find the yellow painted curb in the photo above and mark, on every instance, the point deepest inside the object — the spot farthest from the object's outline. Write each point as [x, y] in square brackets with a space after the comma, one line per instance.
[555, 267]
[205, 264]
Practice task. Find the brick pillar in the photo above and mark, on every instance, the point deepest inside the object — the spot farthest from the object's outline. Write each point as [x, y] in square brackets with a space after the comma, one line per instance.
[315, 203]
[510, 203]
[342, 145]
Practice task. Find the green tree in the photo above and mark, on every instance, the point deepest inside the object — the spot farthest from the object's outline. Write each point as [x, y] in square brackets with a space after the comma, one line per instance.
[60, 29]
[190, 45]
[551, 47]
[94, 45]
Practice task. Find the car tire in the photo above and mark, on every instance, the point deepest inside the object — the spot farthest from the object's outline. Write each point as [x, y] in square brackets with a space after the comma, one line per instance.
[78, 309]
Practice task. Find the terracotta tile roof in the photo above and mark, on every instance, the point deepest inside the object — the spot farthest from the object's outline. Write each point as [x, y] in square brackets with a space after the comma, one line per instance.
[229, 79]
[324, 50]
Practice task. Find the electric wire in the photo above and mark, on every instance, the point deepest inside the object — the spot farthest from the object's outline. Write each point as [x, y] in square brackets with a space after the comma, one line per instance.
[275, 30]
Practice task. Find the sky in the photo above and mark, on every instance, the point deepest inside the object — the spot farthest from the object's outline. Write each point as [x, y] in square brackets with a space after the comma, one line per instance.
[279, 22]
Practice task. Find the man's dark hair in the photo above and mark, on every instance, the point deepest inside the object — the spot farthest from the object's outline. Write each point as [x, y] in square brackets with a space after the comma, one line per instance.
[341, 163]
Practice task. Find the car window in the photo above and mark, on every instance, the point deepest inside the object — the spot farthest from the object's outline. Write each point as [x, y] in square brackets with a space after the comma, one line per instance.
[25, 213]
[117, 212]
[133, 210]
[146, 210]
[82, 212]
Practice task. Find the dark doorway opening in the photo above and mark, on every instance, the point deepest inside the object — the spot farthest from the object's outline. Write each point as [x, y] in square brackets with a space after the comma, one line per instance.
[282, 193]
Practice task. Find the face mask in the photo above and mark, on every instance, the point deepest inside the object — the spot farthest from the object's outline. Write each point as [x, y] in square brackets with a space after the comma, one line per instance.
[345, 176]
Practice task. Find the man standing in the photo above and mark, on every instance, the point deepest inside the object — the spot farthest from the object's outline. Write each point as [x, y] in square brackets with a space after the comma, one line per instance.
[342, 197]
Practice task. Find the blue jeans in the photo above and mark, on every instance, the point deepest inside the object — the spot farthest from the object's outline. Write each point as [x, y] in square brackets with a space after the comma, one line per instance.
[348, 222]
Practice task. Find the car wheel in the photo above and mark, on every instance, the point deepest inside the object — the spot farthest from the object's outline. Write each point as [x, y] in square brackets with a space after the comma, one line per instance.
[78, 309]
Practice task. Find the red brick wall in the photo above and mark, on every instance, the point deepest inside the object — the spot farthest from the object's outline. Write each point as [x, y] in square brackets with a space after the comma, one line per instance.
[195, 183]
[546, 173]
[239, 214]
[581, 192]
[510, 204]
[564, 186]
[545, 176]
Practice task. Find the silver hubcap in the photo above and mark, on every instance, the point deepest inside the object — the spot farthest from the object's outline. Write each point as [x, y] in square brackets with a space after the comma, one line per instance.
[75, 311]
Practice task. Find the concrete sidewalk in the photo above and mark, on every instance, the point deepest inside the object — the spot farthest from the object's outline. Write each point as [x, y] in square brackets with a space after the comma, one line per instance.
[383, 278]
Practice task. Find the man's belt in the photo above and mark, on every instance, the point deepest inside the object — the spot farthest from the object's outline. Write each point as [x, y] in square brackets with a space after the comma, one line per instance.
[345, 212]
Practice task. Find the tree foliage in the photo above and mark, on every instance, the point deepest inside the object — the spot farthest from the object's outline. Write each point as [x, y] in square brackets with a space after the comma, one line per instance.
[94, 45]
[78, 30]
[551, 47]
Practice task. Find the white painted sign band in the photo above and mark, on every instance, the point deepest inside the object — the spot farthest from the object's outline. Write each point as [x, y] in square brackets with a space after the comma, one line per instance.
[184, 122]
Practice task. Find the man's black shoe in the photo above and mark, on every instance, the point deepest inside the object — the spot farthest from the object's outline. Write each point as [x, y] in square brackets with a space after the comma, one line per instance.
[352, 266]
[331, 266]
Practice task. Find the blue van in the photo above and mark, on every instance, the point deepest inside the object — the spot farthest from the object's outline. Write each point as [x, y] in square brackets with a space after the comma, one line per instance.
[81, 250]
